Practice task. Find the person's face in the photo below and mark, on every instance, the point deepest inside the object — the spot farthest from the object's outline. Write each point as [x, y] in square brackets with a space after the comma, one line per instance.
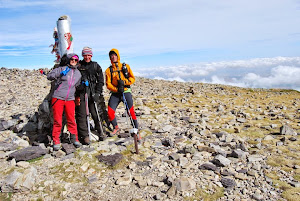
[87, 58]
[73, 61]
[113, 57]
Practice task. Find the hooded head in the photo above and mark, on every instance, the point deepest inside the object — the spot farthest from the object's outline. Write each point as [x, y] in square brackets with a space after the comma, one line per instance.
[114, 51]
[73, 56]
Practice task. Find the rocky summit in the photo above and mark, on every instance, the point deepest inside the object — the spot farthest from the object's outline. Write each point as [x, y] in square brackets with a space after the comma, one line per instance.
[199, 142]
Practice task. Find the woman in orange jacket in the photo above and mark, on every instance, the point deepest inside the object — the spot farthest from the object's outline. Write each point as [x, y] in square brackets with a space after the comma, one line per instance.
[119, 78]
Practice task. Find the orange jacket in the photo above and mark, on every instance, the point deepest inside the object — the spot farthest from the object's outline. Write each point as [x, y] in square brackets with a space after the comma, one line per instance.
[112, 80]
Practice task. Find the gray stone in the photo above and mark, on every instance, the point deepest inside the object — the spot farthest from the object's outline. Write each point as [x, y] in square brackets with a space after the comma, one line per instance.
[157, 197]
[18, 128]
[167, 142]
[295, 184]
[241, 120]
[268, 137]
[92, 178]
[23, 164]
[286, 130]
[189, 149]
[254, 158]
[184, 184]
[238, 153]
[182, 161]
[110, 160]
[124, 180]
[28, 153]
[5, 125]
[171, 192]
[70, 156]
[59, 154]
[174, 156]
[7, 146]
[17, 181]
[10, 181]
[220, 160]
[208, 166]
[258, 196]
[293, 139]
[278, 144]
[27, 181]
[68, 148]
[228, 183]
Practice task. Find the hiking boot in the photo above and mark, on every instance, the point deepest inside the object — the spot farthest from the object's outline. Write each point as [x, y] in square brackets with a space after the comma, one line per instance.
[56, 147]
[116, 131]
[102, 137]
[87, 140]
[77, 144]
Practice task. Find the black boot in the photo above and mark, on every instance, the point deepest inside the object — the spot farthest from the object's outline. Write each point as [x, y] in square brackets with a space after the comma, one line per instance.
[102, 137]
[77, 144]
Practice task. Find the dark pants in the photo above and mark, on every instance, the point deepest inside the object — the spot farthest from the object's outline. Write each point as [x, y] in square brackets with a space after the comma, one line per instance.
[81, 117]
[113, 103]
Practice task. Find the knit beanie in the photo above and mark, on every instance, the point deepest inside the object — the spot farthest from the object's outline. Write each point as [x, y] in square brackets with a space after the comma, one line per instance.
[87, 51]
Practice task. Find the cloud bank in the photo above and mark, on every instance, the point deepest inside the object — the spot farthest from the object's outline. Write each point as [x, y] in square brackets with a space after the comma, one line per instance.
[279, 72]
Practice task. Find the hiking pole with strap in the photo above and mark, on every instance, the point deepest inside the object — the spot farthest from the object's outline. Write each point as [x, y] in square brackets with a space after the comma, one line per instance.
[133, 131]
[86, 97]
[96, 108]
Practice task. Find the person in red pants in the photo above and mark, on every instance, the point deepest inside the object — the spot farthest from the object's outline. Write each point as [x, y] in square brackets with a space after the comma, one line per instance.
[67, 78]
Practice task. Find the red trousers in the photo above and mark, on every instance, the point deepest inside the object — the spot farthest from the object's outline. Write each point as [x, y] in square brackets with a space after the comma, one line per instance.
[58, 108]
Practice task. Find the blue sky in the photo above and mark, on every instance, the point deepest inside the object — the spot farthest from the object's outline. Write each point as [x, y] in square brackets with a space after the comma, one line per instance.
[151, 35]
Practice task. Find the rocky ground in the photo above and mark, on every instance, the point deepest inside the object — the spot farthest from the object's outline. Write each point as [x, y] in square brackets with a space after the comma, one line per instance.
[200, 142]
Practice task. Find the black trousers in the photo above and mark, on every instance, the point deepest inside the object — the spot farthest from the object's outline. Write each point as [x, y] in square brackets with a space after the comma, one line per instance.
[114, 100]
[81, 116]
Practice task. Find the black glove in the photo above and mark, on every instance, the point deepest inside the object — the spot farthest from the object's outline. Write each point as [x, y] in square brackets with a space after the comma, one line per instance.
[96, 97]
[121, 86]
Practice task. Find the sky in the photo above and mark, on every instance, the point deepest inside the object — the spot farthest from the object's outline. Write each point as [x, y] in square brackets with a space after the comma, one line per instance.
[238, 42]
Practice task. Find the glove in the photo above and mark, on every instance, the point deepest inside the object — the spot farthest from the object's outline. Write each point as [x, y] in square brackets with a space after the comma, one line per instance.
[77, 101]
[120, 86]
[96, 97]
[65, 72]
[85, 83]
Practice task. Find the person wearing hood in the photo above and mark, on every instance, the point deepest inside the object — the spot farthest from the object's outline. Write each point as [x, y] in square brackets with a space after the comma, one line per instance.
[63, 99]
[119, 78]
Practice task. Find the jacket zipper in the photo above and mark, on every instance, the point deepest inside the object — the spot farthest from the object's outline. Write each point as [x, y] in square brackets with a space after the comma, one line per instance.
[70, 83]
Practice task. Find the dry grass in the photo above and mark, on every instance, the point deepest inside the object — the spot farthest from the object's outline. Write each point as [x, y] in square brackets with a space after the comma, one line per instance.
[201, 194]
[292, 194]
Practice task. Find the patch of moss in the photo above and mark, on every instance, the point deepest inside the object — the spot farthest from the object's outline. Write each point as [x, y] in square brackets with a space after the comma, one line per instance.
[6, 196]
[35, 159]
[40, 199]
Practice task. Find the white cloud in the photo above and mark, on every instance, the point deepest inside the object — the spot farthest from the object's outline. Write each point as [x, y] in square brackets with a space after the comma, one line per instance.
[280, 72]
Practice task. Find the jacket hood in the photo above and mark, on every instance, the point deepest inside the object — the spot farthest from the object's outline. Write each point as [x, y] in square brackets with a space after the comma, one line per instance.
[117, 52]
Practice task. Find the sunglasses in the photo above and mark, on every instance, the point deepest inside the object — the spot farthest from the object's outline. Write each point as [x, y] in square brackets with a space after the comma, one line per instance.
[74, 59]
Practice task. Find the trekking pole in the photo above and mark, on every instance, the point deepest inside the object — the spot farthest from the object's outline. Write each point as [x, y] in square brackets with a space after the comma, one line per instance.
[133, 131]
[96, 108]
[99, 120]
[87, 112]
